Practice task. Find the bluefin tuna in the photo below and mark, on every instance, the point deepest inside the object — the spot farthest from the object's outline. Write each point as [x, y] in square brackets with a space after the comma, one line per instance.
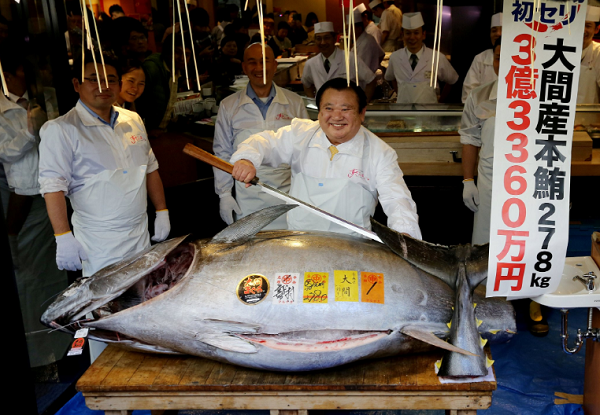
[292, 300]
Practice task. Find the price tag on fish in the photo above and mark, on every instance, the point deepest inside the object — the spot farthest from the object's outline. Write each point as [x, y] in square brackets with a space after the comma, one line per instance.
[346, 285]
[372, 288]
[286, 288]
[316, 285]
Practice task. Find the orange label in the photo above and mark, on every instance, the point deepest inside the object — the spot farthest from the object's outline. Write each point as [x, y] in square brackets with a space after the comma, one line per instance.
[316, 285]
[372, 288]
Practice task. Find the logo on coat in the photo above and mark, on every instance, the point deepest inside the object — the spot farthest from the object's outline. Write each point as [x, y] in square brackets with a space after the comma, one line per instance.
[357, 173]
[135, 139]
[283, 116]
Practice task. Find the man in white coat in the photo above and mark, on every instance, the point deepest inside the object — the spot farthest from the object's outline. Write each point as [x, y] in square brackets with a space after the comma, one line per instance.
[366, 46]
[390, 23]
[482, 69]
[260, 106]
[477, 137]
[589, 75]
[330, 64]
[370, 26]
[337, 165]
[410, 69]
[99, 156]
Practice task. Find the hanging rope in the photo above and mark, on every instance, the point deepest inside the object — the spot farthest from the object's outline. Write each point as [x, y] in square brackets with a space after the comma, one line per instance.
[437, 37]
[193, 47]
[187, 78]
[262, 37]
[4, 87]
[90, 46]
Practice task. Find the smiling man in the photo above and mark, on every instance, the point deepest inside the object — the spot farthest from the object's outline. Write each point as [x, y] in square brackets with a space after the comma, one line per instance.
[100, 158]
[260, 106]
[337, 165]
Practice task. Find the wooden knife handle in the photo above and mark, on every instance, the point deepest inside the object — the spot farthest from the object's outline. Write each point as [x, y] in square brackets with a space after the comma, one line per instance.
[214, 161]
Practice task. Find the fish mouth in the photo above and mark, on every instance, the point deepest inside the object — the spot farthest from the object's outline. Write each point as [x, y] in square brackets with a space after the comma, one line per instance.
[316, 341]
[110, 291]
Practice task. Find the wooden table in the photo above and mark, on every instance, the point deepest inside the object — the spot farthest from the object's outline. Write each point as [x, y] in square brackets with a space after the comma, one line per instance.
[120, 381]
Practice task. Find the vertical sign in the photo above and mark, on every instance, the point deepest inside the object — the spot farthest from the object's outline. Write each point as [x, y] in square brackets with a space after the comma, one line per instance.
[537, 94]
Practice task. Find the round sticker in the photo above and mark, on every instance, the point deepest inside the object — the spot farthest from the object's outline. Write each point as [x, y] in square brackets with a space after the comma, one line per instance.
[253, 289]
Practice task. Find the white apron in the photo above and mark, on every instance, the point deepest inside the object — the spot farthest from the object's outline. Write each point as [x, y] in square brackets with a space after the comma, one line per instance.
[109, 218]
[485, 169]
[253, 198]
[416, 93]
[340, 197]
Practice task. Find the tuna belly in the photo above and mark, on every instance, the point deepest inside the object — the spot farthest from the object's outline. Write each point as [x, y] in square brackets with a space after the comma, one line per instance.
[316, 341]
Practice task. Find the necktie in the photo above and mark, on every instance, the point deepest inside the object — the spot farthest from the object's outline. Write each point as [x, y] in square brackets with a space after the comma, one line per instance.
[327, 65]
[333, 150]
[22, 102]
[413, 61]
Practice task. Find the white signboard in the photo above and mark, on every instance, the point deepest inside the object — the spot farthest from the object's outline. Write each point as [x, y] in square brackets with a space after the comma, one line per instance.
[537, 95]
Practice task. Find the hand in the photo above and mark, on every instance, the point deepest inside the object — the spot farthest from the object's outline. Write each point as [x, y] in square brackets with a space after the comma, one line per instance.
[69, 252]
[36, 117]
[471, 195]
[162, 226]
[227, 204]
[244, 171]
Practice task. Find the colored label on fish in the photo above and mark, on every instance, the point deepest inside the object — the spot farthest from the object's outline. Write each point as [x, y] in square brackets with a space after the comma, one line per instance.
[372, 288]
[253, 289]
[316, 285]
[346, 285]
[286, 288]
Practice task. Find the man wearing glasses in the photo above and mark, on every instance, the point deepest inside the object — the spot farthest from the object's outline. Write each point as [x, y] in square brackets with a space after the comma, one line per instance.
[329, 64]
[101, 159]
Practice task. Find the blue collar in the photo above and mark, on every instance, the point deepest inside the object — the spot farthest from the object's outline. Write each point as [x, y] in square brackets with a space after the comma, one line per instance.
[113, 115]
[262, 106]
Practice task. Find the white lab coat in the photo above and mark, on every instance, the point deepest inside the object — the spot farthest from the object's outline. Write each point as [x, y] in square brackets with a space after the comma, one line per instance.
[477, 129]
[103, 172]
[369, 51]
[314, 72]
[238, 119]
[589, 75]
[374, 31]
[365, 161]
[481, 72]
[391, 20]
[413, 86]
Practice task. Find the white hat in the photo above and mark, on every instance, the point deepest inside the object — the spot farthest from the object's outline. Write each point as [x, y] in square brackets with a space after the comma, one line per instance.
[593, 14]
[360, 8]
[412, 20]
[497, 20]
[324, 27]
[374, 4]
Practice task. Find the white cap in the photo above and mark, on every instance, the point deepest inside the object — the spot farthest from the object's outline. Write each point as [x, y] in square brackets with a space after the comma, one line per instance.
[374, 4]
[324, 27]
[593, 14]
[497, 20]
[360, 8]
[412, 21]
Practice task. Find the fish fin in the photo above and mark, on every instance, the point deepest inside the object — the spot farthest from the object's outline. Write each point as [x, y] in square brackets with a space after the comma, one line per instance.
[430, 338]
[228, 342]
[245, 228]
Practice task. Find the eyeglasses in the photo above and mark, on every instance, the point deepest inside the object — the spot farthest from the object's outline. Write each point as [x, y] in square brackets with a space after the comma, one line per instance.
[111, 81]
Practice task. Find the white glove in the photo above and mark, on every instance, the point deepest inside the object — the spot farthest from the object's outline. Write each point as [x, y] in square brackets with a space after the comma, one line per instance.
[14, 250]
[471, 195]
[227, 205]
[162, 226]
[69, 252]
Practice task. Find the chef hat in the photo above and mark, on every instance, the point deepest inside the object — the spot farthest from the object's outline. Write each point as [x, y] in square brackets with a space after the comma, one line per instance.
[593, 14]
[412, 20]
[374, 4]
[360, 8]
[496, 20]
[324, 27]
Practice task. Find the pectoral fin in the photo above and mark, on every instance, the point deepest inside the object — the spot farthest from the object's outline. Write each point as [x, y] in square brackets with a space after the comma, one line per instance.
[430, 338]
[228, 342]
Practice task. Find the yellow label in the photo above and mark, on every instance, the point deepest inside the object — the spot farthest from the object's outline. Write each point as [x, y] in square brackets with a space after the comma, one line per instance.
[346, 285]
[316, 285]
[372, 288]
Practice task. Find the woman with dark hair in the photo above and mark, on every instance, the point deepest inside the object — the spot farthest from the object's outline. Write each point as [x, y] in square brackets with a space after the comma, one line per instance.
[133, 82]
[309, 26]
[227, 65]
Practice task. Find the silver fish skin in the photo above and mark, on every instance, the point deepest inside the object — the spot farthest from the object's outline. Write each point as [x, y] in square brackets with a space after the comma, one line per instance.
[203, 315]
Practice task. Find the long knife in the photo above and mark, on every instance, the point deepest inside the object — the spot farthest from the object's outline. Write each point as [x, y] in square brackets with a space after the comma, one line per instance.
[214, 161]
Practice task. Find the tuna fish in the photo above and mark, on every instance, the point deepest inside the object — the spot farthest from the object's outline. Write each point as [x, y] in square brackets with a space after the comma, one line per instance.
[293, 301]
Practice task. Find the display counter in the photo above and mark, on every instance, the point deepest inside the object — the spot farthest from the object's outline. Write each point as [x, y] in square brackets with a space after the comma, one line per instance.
[428, 144]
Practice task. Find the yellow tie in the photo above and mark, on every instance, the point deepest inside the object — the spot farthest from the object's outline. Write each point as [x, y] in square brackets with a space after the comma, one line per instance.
[334, 151]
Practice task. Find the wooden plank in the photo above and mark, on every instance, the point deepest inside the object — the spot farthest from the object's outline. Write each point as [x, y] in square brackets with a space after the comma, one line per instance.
[97, 372]
[123, 370]
[198, 372]
[173, 372]
[246, 376]
[222, 374]
[148, 371]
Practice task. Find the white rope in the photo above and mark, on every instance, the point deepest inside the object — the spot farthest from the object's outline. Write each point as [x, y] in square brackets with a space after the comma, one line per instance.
[354, 39]
[436, 46]
[99, 46]
[4, 87]
[346, 62]
[187, 78]
[193, 48]
[262, 37]
[173, 44]
[437, 63]
[90, 45]
[246, 6]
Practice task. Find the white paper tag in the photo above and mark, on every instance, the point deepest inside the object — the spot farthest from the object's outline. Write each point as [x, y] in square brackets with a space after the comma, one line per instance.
[74, 352]
[81, 333]
[285, 288]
